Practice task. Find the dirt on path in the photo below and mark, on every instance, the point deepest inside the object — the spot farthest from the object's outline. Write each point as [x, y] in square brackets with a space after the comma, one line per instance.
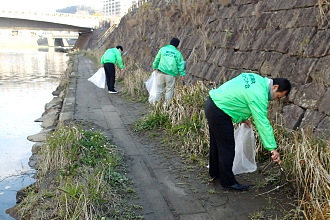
[166, 187]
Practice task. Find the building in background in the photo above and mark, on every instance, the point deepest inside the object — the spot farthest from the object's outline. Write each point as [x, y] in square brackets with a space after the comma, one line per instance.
[116, 7]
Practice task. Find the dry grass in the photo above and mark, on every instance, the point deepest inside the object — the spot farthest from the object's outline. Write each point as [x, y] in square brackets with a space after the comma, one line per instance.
[188, 122]
[132, 23]
[133, 79]
[225, 3]
[78, 178]
[65, 77]
[305, 158]
[323, 6]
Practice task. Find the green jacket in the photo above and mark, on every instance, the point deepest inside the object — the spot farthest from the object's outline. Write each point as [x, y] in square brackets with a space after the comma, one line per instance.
[112, 56]
[244, 96]
[170, 61]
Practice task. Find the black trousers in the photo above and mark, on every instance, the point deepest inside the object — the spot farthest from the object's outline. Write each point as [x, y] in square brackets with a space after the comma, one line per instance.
[110, 74]
[222, 144]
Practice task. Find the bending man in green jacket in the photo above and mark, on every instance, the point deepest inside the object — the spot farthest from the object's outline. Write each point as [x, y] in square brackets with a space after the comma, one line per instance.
[169, 63]
[108, 60]
[236, 101]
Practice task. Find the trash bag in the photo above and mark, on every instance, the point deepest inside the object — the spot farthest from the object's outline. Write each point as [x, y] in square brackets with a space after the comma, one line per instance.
[244, 161]
[151, 85]
[98, 78]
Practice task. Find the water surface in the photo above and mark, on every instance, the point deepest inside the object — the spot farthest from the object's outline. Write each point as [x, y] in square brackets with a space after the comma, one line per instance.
[28, 76]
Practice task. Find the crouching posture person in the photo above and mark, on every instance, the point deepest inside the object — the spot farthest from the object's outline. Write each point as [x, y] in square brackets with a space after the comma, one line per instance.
[236, 101]
[108, 61]
[168, 63]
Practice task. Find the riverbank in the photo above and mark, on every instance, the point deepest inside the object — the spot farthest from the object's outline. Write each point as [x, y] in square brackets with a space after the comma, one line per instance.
[57, 111]
[166, 187]
[28, 78]
[103, 181]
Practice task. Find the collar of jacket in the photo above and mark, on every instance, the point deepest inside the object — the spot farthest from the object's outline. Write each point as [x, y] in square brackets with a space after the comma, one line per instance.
[270, 90]
[172, 46]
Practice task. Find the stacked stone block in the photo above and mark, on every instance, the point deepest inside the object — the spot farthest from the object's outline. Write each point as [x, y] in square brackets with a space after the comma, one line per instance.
[274, 38]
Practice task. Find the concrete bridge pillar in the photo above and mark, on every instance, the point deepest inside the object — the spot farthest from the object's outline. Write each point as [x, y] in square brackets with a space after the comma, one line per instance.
[51, 41]
[65, 42]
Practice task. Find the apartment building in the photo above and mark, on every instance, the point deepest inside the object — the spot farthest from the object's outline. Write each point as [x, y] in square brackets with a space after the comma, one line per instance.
[116, 7]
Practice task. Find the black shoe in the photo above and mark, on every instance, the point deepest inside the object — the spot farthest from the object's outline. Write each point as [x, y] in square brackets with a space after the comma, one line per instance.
[113, 91]
[236, 186]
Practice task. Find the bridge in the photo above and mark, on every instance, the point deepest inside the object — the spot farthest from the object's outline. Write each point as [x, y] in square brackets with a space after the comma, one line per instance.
[63, 22]
[20, 20]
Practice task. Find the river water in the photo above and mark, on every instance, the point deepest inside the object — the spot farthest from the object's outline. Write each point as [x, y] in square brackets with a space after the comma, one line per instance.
[28, 76]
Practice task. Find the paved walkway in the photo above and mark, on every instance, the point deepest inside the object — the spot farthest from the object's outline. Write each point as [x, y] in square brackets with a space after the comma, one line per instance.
[167, 189]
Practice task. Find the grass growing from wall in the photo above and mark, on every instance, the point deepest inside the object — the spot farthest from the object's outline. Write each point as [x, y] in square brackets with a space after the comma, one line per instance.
[307, 161]
[80, 176]
[305, 158]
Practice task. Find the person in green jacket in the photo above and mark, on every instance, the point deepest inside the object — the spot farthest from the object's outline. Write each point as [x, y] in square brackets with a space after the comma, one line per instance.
[168, 63]
[236, 101]
[108, 61]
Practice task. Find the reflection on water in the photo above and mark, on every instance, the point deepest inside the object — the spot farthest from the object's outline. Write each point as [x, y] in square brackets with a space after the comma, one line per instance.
[27, 79]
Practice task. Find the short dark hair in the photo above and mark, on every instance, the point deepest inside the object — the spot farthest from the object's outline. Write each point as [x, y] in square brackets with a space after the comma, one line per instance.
[120, 47]
[175, 42]
[283, 85]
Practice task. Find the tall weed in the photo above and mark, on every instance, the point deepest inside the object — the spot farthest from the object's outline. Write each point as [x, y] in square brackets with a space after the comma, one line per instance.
[80, 176]
[304, 157]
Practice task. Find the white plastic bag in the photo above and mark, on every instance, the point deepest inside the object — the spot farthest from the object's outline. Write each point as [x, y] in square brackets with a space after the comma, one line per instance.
[98, 78]
[244, 161]
[151, 85]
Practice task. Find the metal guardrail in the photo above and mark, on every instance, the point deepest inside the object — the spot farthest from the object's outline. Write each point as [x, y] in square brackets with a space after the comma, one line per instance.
[74, 36]
[106, 34]
[56, 14]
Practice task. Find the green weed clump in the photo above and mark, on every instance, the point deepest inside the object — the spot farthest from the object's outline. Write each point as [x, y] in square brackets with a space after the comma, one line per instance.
[81, 175]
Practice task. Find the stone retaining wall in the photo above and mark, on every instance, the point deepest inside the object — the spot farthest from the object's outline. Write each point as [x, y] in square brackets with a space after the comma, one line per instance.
[222, 38]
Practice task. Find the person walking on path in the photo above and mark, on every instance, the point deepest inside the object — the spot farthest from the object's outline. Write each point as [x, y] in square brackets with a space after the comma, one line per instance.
[236, 100]
[108, 61]
[168, 63]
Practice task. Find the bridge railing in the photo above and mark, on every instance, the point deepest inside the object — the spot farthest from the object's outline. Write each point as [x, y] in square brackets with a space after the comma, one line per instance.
[81, 20]
[85, 16]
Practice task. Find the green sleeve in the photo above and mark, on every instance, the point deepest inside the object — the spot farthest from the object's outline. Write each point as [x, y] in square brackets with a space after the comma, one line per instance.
[119, 60]
[102, 59]
[157, 60]
[180, 64]
[265, 130]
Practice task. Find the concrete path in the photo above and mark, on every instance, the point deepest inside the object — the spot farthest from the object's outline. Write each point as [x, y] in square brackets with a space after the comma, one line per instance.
[167, 188]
